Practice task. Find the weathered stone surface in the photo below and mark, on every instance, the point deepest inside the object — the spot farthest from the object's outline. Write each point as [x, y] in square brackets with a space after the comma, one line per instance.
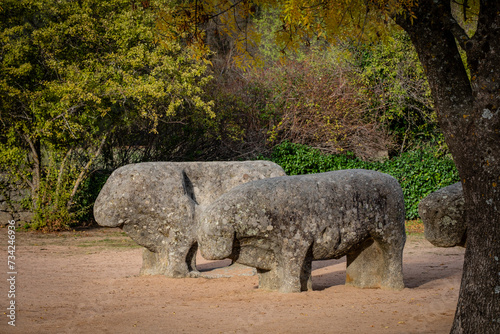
[11, 197]
[5, 218]
[281, 225]
[20, 217]
[156, 204]
[442, 213]
[25, 216]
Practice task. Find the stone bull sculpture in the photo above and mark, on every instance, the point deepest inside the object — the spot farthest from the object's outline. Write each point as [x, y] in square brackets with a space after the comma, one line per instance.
[442, 213]
[281, 225]
[156, 204]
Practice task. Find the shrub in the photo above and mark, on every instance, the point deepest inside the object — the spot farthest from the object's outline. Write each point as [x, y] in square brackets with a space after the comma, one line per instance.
[419, 172]
[320, 102]
[395, 78]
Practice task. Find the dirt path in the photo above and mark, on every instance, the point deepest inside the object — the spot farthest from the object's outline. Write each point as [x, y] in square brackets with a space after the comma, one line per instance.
[87, 282]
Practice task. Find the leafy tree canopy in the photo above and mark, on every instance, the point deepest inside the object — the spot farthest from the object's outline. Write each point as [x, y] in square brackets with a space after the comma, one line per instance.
[71, 72]
[301, 22]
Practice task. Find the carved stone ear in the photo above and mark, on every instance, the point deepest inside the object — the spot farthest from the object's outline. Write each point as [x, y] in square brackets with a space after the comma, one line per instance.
[188, 187]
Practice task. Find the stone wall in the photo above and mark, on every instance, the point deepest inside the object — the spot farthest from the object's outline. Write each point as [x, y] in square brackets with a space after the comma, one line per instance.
[10, 206]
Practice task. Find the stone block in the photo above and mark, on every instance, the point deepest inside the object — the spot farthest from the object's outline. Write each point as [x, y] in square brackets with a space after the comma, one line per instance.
[442, 213]
[280, 225]
[157, 203]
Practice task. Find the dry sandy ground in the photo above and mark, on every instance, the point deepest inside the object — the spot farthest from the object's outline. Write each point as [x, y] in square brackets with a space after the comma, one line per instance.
[87, 282]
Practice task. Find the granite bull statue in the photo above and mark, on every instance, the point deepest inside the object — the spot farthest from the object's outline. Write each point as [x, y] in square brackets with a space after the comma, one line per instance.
[280, 225]
[156, 203]
[442, 213]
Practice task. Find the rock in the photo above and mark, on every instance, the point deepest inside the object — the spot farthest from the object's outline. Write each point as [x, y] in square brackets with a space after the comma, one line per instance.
[156, 204]
[442, 213]
[4, 205]
[281, 225]
[25, 217]
[5, 218]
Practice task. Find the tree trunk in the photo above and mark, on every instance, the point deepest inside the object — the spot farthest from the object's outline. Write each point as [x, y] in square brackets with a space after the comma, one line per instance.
[469, 116]
[36, 157]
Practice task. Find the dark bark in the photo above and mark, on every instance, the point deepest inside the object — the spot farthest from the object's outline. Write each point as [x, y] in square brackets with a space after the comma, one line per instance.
[469, 116]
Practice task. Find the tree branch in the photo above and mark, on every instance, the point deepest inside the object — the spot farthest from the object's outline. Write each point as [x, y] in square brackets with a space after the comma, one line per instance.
[35, 183]
[457, 31]
[226, 10]
[59, 177]
[85, 170]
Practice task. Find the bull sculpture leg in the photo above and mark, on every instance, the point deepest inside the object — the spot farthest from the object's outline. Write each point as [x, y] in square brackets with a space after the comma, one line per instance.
[182, 260]
[180, 263]
[376, 264]
[268, 279]
[294, 268]
[150, 263]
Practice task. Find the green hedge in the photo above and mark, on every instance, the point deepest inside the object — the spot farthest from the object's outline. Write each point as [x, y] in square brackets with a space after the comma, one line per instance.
[419, 172]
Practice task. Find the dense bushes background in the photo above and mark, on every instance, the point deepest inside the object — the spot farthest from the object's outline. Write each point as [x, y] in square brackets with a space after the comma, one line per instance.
[419, 172]
[372, 100]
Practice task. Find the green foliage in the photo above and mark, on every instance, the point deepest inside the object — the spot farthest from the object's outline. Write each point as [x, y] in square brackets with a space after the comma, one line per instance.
[50, 208]
[419, 172]
[398, 87]
[268, 22]
[71, 74]
[86, 196]
[297, 159]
